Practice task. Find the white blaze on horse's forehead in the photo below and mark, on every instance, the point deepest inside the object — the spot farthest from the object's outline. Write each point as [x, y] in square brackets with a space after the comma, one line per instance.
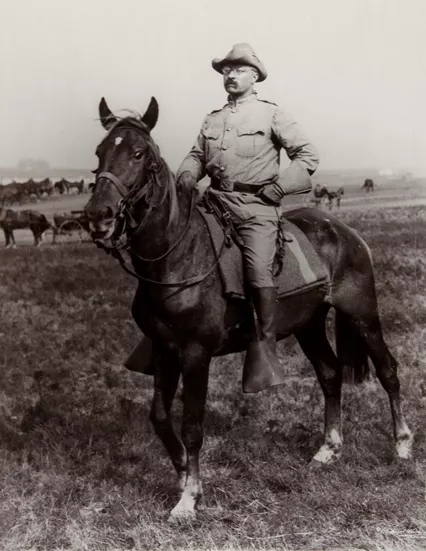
[118, 140]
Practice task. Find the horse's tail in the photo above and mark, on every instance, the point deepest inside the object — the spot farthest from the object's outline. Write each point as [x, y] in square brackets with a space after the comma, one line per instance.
[351, 351]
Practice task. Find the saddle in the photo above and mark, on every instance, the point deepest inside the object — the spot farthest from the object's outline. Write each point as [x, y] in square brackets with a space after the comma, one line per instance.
[297, 267]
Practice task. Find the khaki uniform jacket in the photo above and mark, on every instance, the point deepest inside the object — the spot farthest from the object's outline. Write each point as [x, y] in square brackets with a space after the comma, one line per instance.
[241, 143]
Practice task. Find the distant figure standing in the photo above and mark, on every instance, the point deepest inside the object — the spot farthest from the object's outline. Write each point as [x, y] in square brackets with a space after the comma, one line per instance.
[368, 185]
[317, 196]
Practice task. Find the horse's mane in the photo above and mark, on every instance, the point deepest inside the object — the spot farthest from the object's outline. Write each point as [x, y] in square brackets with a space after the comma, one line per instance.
[165, 175]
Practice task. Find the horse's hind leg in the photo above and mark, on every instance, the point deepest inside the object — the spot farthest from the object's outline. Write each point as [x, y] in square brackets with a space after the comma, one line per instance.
[314, 343]
[363, 315]
[166, 379]
[386, 369]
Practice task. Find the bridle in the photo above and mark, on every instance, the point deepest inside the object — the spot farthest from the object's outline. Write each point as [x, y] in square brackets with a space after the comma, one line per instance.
[128, 228]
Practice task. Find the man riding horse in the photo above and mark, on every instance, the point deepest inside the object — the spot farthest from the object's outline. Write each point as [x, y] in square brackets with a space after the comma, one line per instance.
[239, 148]
[180, 304]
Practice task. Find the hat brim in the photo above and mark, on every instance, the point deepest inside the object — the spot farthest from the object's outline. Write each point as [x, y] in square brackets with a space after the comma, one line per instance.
[218, 64]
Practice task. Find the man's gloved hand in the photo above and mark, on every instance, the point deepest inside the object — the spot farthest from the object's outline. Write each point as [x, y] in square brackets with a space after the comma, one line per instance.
[186, 179]
[271, 194]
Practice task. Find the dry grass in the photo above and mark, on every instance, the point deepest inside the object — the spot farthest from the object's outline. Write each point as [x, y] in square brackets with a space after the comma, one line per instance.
[88, 472]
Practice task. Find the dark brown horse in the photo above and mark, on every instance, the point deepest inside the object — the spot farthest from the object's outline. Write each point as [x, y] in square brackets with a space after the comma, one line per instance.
[180, 306]
[11, 220]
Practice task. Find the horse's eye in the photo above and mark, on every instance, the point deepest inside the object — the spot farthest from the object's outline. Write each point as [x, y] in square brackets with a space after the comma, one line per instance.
[138, 155]
[92, 186]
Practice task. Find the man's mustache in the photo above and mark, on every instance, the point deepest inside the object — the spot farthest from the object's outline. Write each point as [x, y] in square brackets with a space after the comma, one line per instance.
[230, 81]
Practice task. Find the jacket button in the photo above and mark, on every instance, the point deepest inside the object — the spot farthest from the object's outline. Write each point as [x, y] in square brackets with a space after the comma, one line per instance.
[225, 147]
[228, 129]
[222, 168]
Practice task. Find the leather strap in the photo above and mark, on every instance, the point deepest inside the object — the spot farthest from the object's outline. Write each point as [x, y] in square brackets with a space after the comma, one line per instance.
[113, 178]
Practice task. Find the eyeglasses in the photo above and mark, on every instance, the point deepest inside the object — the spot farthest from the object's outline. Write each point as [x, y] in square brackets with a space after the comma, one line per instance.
[237, 70]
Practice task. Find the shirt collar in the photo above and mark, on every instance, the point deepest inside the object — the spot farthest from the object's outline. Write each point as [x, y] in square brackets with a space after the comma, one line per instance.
[247, 99]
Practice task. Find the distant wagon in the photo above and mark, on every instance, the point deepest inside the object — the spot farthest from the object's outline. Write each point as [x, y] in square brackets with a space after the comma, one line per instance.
[71, 226]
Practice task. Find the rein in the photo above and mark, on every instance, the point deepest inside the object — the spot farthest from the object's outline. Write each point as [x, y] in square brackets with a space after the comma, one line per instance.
[182, 284]
[136, 194]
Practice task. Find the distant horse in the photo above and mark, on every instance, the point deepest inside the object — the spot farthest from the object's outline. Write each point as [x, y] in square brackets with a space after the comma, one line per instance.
[368, 185]
[11, 194]
[64, 185]
[137, 206]
[334, 197]
[44, 186]
[79, 186]
[12, 220]
[30, 188]
[60, 186]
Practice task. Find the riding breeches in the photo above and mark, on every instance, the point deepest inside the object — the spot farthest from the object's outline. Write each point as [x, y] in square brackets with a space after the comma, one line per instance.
[257, 225]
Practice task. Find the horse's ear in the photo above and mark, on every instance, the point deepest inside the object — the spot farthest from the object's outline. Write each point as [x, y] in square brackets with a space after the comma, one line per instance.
[105, 114]
[151, 115]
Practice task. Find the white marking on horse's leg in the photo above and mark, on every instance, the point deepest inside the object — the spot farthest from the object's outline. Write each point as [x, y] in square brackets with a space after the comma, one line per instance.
[404, 443]
[331, 450]
[185, 508]
[182, 480]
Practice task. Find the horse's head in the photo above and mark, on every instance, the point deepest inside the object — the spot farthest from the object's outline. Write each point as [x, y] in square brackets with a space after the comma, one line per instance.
[125, 156]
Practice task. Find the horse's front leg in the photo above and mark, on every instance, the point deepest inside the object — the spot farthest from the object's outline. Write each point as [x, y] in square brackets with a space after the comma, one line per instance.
[166, 379]
[195, 372]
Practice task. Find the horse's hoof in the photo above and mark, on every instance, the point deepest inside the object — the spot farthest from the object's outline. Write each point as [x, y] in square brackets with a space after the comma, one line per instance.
[404, 447]
[181, 516]
[327, 455]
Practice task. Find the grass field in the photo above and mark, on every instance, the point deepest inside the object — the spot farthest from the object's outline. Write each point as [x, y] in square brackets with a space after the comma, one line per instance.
[82, 469]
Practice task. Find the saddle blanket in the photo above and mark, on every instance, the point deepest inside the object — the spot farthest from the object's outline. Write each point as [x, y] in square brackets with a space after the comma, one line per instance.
[302, 268]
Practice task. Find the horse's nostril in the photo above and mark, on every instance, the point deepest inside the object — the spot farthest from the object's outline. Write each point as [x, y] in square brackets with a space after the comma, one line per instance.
[107, 212]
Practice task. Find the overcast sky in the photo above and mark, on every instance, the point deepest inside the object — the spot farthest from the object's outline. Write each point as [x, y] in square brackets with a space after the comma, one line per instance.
[353, 73]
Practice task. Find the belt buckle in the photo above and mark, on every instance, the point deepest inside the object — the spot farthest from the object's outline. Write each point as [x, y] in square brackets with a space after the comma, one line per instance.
[226, 186]
[227, 217]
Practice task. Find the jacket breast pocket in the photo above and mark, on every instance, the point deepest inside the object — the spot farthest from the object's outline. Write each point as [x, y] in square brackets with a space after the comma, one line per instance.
[250, 141]
[212, 137]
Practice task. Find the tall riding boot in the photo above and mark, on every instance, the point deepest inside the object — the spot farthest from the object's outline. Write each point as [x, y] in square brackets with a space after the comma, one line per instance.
[262, 368]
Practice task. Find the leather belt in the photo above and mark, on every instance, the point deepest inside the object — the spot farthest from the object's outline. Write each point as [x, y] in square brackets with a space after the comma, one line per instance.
[236, 186]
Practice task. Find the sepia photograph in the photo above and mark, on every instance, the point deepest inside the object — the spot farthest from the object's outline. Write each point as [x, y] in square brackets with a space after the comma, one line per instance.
[213, 275]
